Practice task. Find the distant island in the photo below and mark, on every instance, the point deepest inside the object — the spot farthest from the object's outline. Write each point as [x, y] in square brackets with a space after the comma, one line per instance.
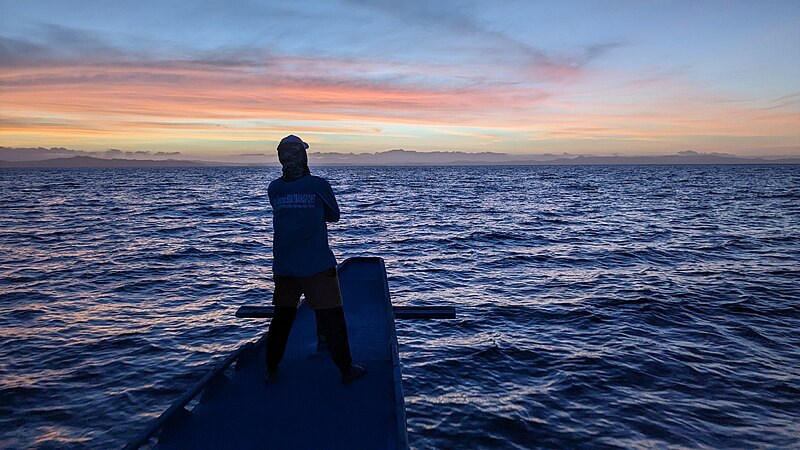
[92, 162]
[62, 157]
[415, 158]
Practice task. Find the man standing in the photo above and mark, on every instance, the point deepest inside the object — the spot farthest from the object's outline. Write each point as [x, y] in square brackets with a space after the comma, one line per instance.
[303, 263]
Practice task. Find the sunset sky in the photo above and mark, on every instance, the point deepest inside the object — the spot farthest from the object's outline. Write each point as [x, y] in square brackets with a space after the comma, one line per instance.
[224, 78]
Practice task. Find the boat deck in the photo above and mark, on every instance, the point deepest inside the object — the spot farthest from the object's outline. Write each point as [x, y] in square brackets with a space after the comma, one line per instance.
[308, 407]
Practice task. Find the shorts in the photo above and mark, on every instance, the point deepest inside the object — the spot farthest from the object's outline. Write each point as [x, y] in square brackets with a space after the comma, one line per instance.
[321, 290]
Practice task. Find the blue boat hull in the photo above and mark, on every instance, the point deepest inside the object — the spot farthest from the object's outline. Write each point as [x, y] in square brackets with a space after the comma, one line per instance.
[308, 408]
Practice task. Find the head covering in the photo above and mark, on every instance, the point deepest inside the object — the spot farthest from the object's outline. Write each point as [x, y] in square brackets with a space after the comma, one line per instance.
[294, 139]
[292, 156]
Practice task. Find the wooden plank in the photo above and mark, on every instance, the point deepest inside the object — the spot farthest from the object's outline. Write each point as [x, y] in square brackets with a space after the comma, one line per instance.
[255, 312]
[424, 312]
[400, 312]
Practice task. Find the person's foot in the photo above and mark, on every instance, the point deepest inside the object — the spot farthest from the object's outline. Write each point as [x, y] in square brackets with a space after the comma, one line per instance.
[270, 376]
[353, 372]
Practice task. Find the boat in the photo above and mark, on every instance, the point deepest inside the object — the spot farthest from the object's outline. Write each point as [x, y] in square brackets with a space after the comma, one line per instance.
[308, 407]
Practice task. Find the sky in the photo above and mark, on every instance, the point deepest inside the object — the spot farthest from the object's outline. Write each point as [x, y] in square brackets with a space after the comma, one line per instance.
[523, 77]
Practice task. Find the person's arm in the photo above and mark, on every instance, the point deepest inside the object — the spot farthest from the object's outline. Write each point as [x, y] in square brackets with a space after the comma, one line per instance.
[271, 196]
[332, 212]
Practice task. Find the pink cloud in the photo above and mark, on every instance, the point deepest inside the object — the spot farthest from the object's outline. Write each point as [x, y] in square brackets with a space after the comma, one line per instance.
[230, 101]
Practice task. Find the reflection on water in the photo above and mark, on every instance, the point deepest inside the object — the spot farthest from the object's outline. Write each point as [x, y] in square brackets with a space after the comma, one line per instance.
[598, 306]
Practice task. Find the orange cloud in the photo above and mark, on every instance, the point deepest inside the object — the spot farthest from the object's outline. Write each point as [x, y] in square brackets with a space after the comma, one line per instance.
[193, 101]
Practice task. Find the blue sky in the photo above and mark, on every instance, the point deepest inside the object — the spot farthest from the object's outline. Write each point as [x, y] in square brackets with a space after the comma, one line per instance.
[633, 77]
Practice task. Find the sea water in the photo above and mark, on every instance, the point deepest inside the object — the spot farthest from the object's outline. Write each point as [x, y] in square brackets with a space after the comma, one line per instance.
[598, 306]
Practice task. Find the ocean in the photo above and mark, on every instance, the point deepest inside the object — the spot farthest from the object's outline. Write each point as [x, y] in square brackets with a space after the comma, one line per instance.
[598, 306]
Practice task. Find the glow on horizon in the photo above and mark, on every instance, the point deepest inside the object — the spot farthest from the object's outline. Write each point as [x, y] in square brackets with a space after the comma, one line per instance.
[354, 76]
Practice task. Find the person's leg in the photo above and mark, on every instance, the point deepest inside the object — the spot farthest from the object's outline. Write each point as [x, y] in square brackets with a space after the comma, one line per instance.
[278, 335]
[334, 328]
[324, 295]
[286, 296]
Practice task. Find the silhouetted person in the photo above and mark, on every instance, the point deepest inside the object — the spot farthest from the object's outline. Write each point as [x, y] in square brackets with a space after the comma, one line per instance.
[303, 262]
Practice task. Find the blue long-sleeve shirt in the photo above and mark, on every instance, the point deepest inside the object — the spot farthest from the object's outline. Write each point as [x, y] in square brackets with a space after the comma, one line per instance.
[301, 209]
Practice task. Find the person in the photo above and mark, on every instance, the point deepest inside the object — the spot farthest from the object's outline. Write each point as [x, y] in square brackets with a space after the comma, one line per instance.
[303, 262]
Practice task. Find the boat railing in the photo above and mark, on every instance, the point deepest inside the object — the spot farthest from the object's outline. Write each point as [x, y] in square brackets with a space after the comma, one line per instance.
[214, 379]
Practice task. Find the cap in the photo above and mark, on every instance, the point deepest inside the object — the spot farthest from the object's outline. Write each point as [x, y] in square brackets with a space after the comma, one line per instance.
[292, 139]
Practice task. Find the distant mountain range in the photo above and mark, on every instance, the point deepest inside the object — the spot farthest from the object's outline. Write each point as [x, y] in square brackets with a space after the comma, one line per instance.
[61, 157]
[15, 154]
[410, 157]
[686, 157]
[89, 162]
